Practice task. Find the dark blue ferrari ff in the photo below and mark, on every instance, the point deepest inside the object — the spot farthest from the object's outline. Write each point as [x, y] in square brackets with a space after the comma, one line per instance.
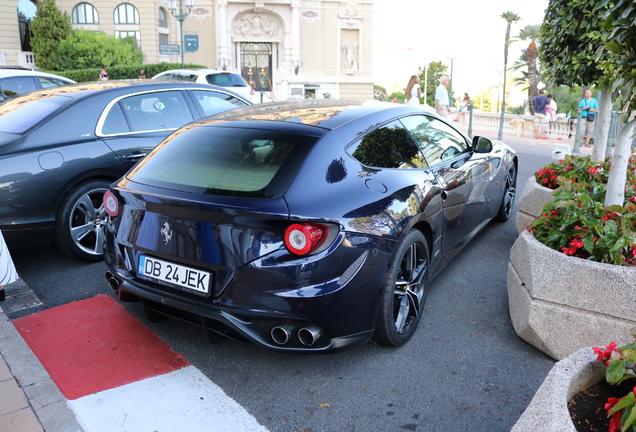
[303, 226]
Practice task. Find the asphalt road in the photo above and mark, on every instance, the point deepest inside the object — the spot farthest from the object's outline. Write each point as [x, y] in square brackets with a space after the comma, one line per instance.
[464, 369]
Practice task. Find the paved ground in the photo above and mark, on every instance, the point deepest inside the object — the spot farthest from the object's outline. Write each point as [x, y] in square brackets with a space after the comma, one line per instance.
[44, 384]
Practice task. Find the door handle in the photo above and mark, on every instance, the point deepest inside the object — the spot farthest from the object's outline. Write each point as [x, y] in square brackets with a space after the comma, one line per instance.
[135, 156]
[444, 195]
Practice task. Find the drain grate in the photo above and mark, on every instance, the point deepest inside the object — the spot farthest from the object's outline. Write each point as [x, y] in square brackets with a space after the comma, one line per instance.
[19, 297]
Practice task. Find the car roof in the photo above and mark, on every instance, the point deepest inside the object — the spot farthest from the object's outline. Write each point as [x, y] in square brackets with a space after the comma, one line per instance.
[200, 70]
[5, 73]
[84, 90]
[324, 113]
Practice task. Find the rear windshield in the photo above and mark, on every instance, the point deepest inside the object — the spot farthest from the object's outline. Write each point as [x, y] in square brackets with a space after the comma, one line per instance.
[226, 80]
[225, 161]
[18, 116]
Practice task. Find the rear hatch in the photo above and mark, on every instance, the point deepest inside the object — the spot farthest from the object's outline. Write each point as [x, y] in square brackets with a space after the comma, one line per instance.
[205, 203]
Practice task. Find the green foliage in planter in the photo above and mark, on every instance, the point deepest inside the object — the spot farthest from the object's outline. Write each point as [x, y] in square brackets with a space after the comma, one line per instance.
[580, 169]
[576, 222]
[621, 366]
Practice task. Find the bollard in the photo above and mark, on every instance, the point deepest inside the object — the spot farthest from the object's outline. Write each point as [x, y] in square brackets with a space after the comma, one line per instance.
[470, 121]
[577, 137]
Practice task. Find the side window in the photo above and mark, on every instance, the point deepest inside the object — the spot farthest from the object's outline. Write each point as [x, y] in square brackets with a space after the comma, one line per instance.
[47, 82]
[12, 87]
[437, 141]
[212, 102]
[389, 146]
[115, 122]
[156, 111]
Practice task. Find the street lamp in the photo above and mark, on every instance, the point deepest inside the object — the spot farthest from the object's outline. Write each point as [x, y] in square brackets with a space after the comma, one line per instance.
[180, 13]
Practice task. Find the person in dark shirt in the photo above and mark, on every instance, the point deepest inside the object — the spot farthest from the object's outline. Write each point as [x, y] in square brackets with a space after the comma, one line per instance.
[540, 103]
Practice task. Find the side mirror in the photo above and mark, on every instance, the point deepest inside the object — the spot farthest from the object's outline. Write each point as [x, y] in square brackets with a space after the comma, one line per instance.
[482, 144]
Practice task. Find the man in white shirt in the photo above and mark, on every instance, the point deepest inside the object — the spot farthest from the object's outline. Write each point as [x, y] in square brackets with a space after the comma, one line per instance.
[442, 102]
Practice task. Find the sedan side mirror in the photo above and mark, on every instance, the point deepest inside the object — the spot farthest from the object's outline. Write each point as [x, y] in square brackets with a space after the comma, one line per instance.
[482, 144]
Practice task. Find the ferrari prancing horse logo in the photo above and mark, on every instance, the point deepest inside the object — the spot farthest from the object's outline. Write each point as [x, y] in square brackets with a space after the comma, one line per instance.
[166, 232]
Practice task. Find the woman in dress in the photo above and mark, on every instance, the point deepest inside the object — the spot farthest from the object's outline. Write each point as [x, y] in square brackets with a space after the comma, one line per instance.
[103, 75]
[7, 269]
[465, 106]
[412, 93]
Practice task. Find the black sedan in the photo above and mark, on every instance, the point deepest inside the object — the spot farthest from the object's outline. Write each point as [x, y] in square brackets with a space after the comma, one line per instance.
[307, 226]
[60, 148]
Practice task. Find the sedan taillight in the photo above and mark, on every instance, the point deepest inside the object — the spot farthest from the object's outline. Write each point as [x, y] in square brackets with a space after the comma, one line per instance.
[111, 205]
[302, 238]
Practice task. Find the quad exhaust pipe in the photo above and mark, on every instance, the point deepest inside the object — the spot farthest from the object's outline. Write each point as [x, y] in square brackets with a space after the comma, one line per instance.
[309, 335]
[112, 281]
[282, 333]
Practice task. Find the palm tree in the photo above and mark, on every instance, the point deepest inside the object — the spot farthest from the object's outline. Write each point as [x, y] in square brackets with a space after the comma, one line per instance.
[531, 33]
[510, 17]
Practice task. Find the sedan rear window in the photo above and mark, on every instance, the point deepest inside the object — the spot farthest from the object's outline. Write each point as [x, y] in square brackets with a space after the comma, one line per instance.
[226, 80]
[18, 116]
[225, 161]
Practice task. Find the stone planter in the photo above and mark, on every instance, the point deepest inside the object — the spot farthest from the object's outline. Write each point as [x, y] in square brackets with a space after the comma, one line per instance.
[531, 202]
[560, 303]
[548, 411]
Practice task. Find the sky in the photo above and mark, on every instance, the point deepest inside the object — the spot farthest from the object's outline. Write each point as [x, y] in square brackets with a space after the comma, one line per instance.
[408, 34]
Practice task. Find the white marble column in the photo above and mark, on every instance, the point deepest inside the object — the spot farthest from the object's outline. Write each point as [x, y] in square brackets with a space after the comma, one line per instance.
[224, 55]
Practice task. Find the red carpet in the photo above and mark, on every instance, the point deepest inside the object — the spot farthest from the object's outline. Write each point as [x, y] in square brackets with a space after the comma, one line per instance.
[93, 345]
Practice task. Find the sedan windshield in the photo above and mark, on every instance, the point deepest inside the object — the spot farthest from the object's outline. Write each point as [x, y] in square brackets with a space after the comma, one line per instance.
[19, 115]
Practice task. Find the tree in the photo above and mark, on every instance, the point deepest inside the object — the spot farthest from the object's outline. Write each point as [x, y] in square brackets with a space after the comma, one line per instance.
[430, 77]
[621, 41]
[87, 49]
[50, 26]
[571, 35]
[510, 17]
[531, 33]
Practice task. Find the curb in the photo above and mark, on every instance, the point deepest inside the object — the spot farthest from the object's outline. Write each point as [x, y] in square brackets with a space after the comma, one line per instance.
[42, 394]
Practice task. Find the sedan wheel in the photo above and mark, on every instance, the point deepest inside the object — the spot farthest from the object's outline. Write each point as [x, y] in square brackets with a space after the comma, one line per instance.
[78, 230]
[404, 291]
[508, 199]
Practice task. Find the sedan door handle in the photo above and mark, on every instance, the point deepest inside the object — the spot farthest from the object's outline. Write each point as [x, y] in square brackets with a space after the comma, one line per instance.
[444, 195]
[135, 156]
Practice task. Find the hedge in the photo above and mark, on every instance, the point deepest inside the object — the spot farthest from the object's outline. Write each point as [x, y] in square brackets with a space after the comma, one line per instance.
[122, 72]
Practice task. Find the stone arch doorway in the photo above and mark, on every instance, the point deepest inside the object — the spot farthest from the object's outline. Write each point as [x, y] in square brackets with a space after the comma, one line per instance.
[256, 64]
[258, 37]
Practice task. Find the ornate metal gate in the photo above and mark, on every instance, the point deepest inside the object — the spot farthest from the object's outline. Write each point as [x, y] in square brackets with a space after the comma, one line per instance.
[256, 64]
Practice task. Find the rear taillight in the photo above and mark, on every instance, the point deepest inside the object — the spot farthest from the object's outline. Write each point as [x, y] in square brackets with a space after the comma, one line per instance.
[302, 238]
[111, 205]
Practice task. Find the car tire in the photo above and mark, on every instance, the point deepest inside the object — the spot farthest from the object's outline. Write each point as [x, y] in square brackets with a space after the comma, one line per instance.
[404, 293]
[508, 199]
[78, 226]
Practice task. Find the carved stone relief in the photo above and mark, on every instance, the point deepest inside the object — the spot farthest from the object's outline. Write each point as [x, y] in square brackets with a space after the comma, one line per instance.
[257, 25]
[350, 18]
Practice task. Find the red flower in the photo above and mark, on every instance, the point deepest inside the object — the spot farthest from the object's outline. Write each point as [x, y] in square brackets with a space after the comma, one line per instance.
[568, 168]
[576, 243]
[580, 204]
[545, 180]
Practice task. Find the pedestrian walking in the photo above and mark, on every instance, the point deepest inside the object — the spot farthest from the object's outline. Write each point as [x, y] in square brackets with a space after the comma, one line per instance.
[465, 106]
[540, 103]
[103, 75]
[588, 107]
[8, 274]
[442, 101]
[412, 93]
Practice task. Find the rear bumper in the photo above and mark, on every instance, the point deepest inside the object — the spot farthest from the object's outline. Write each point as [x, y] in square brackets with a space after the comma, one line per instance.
[264, 295]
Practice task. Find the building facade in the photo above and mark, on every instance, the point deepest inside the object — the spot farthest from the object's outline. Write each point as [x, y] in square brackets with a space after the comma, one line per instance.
[286, 49]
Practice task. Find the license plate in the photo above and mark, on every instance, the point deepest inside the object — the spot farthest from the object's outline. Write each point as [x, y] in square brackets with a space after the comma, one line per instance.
[176, 275]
